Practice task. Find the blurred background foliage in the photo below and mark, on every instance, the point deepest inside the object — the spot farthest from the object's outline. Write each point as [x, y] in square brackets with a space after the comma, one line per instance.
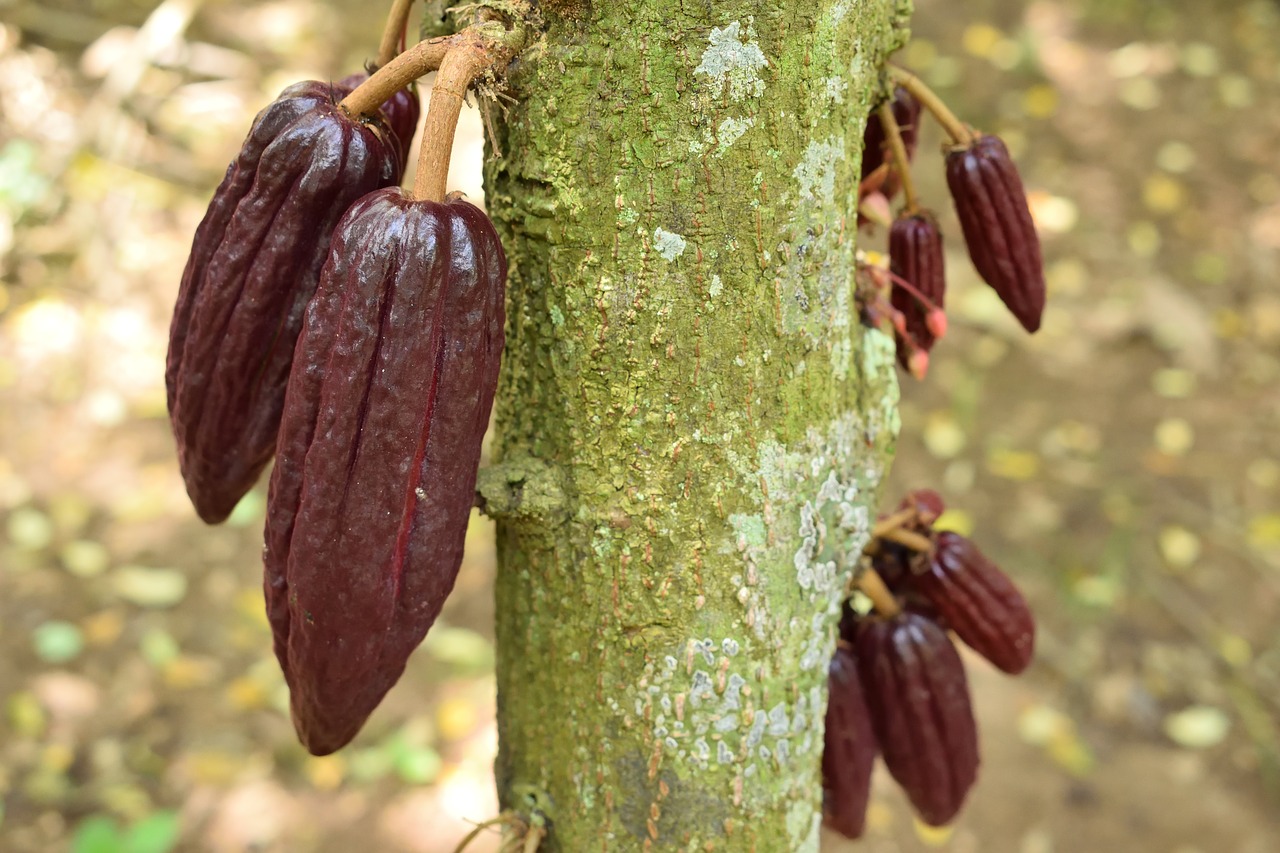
[1123, 465]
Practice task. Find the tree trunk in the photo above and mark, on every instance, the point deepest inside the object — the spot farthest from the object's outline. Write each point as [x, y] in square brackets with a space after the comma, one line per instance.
[692, 424]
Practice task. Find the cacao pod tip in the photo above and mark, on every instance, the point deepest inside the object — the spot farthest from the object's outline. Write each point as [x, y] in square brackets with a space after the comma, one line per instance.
[918, 364]
[936, 321]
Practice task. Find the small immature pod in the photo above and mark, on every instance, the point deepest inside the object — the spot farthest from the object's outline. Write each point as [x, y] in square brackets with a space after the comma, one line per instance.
[978, 602]
[915, 255]
[253, 267]
[906, 110]
[849, 748]
[387, 403]
[918, 697]
[997, 225]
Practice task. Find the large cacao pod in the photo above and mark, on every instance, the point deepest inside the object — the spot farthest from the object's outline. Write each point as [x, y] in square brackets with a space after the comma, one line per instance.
[979, 602]
[388, 400]
[848, 750]
[918, 697]
[915, 255]
[998, 230]
[253, 267]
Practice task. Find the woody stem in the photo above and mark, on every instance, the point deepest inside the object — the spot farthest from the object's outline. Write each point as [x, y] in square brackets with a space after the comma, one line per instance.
[955, 128]
[423, 57]
[914, 541]
[393, 32]
[892, 522]
[873, 587]
[461, 66]
[901, 164]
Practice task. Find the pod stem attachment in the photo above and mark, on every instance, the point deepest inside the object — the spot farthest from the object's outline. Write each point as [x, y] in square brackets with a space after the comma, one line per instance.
[873, 587]
[393, 33]
[483, 49]
[960, 133]
[461, 66]
[423, 57]
[901, 163]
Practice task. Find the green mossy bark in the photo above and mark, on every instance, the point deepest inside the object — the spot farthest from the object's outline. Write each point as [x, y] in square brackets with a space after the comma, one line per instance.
[692, 425]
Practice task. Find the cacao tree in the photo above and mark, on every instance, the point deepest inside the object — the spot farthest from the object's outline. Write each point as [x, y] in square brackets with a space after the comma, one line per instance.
[691, 425]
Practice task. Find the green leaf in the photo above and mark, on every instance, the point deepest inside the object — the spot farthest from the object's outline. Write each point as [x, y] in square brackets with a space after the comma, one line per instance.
[97, 835]
[157, 833]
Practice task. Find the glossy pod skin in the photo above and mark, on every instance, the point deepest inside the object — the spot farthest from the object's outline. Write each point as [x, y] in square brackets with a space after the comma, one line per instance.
[388, 401]
[254, 265]
[997, 225]
[978, 602]
[401, 112]
[849, 748]
[915, 254]
[918, 697]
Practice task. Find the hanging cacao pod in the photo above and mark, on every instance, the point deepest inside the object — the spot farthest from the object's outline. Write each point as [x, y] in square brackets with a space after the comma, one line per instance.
[979, 602]
[400, 112]
[848, 750]
[915, 255]
[906, 111]
[998, 230]
[253, 267]
[918, 697]
[388, 400]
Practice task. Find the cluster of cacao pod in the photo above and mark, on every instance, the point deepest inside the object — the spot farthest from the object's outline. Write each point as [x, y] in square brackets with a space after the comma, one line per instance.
[990, 203]
[353, 330]
[897, 685]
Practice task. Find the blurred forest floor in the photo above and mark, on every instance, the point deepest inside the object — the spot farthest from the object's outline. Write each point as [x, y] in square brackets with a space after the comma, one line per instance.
[1123, 465]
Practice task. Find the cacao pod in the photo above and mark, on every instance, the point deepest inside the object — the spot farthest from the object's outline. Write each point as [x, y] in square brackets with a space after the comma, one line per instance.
[998, 231]
[253, 267]
[400, 112]
[848, 750]
[387, 403]
[906, 110]
[927, 503]
[979, 602]
[915, 255]
[918, 697]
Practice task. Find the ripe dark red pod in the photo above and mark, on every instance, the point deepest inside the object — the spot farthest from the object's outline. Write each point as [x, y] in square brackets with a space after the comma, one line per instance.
[918, 697]
[254, 264]
[849, 748]
[401, 113]
[388, 401]
[978, 602]
[906, 110]
[915, 255]
[998, 231]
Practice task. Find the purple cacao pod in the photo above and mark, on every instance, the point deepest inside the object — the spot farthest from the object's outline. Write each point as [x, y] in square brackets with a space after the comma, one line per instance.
[906, 110]
[915, 255]
[254, 264]
[918, 696]
[979, 602]
[401, 112]
[848, 750]
[388, 401]
[998, 230]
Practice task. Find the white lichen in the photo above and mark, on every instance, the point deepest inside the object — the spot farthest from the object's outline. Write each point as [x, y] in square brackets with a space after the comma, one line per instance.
[730, 62]
[816, 172]
[669, 244]
[730, 131]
